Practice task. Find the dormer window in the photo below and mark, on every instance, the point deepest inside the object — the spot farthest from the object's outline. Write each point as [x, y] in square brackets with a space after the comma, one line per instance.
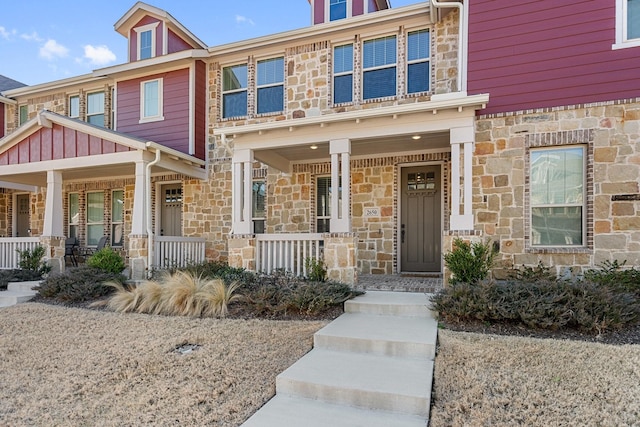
[338, 9]
[146, 36]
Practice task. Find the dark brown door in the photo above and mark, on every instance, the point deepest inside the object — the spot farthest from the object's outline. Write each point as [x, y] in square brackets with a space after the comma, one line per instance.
[22, 215]
[421, 229]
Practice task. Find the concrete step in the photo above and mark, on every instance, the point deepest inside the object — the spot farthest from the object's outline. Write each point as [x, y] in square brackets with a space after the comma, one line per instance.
[22, 286]
[284, 411]
[9, 298]
[405, 304]
[361, 380]
[381, 335]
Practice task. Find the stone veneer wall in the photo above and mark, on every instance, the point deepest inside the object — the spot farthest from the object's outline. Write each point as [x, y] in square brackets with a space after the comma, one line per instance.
[611, 133]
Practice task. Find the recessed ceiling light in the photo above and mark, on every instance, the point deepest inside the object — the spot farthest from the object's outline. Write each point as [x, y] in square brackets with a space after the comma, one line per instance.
[314, 147]
[416, 137]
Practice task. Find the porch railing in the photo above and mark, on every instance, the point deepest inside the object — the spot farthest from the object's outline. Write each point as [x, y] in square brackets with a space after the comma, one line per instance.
[287, 251]
[9, 247]
[176, 251]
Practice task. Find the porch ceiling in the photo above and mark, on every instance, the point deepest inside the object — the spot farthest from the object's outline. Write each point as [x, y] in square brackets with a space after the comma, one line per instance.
[365, 147]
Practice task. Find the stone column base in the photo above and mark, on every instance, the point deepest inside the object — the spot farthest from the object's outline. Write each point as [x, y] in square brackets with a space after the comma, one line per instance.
[54, 252]
[242, 251]
[340, 257]
[138, 253]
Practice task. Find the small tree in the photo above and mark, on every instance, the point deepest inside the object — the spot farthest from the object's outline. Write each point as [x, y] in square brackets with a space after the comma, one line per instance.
[33, 262]
[107, 259]
[470, 262]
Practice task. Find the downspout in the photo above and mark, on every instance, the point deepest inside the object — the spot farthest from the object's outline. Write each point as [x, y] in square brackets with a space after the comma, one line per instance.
[462, 40]
[148, 210]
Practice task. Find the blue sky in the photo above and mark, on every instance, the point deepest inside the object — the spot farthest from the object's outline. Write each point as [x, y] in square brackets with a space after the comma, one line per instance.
[41, 41]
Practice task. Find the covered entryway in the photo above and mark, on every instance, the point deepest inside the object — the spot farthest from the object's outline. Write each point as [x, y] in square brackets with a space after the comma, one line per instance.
[421, 219]
[22, 212]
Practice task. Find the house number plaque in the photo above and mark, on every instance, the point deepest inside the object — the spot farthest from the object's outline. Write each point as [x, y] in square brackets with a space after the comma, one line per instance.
[371, 212]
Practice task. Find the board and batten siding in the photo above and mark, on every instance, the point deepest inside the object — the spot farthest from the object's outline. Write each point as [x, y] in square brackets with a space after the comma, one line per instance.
[171, 132]
[531, 54]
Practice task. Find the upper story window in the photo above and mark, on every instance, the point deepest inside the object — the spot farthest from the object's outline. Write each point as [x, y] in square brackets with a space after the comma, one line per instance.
[74, 106]
[343, 74]
[557, 196]
[338, 9]
[418, 54]
[627, 23]
[95, 108]
[379, 68]
[270, 85]
[234, 91]
[146, 41]
[151, 101]
[23, 114]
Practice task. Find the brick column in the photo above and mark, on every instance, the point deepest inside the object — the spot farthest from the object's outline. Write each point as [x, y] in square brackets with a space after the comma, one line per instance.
[341, 257]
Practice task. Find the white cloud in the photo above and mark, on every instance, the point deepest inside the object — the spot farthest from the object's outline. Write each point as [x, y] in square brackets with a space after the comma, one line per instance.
[6, 34]
[31, 37]
[52, 49]
[244, 20]
[98, 55]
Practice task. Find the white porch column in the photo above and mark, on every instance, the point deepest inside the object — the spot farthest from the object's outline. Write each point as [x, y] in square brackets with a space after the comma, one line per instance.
[53, 218]
[461, 213]
[340, 150]
[242, 182]
[139, 215]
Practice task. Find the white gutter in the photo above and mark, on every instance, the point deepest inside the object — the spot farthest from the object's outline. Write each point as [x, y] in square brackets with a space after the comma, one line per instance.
[147, 208]
[463, 40]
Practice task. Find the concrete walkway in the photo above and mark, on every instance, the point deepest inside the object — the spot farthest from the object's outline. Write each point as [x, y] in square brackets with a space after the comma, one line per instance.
[372, 366]
[17, 293]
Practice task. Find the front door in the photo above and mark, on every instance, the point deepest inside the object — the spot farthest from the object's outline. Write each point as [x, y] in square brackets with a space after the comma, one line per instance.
[421, 229]
[22, 215]
[171, 215]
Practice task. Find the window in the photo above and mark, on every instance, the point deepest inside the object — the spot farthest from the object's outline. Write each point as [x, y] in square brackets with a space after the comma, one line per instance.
[95, 108]
[343, 74]
[323, 204]
[95, 218]
[337, 9]
[258, 206]
[74, 106]
[557, 196]
[146, 41]
[74, 215]
[270, 87]
[117, 218]
[627, 23]
[418, 69]
[234, 91]
[23, 114]
[151, 100]
[379, 68]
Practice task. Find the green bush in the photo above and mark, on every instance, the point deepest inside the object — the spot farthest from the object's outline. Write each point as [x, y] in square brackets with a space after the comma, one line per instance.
[107, 259]
[316, 270]
[615, 276]
[33, 262]
[470, 262]
[84, 283]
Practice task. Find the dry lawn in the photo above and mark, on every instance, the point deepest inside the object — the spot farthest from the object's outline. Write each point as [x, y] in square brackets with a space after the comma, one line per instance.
[490, 380]
[76, 367]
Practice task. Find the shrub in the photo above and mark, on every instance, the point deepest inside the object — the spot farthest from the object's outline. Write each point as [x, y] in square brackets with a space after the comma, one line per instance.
[470, 262]
[316, 270]
[532, 274]
[107, 259]
[78, 284]
[33, 262]
[181, 293]
[615, 276]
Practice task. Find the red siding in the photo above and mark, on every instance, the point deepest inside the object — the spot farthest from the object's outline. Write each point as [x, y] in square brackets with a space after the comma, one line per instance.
[357, 8]
[133, 37]
[2, 120]
[535, 54]
[173, 131]
[318, 11]
[200, 116]
[176, 44]
[57, 143]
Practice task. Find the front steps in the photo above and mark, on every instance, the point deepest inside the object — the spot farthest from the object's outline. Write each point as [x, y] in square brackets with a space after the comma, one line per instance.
[372, 366]
[17, 292]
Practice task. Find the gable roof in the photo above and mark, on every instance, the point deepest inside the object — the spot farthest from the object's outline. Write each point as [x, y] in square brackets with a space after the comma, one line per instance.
[7, 84]
[141, 9]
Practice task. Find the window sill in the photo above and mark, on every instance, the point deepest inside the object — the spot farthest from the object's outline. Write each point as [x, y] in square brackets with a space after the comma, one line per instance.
[559, 250]
[626, 44]
[269, 114]
[234, 118]
[151, 119]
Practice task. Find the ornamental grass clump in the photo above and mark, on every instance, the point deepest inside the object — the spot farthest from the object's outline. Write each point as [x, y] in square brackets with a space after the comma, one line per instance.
[179, 294]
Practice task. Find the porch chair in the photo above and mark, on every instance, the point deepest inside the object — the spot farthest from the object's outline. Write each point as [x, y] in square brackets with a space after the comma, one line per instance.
[71, 251]
[87, 252]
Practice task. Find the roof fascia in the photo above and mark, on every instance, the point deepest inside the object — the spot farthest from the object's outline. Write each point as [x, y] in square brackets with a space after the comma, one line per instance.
[185, 55]
[54, 85]
[8, 100]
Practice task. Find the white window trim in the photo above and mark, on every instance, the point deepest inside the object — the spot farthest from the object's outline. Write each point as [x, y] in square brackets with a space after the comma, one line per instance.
[417, 61]
[227, 92]
[621, 28]
[327, 10]
[280, 83]
[120, 222]
[160, 115]
[144, 28]
[87, 222]
[583, 204]
[69, 101]
[87, 114]
[20, 107]
[323, 217]
[345, 73]
[70, 222]
[380, 67]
